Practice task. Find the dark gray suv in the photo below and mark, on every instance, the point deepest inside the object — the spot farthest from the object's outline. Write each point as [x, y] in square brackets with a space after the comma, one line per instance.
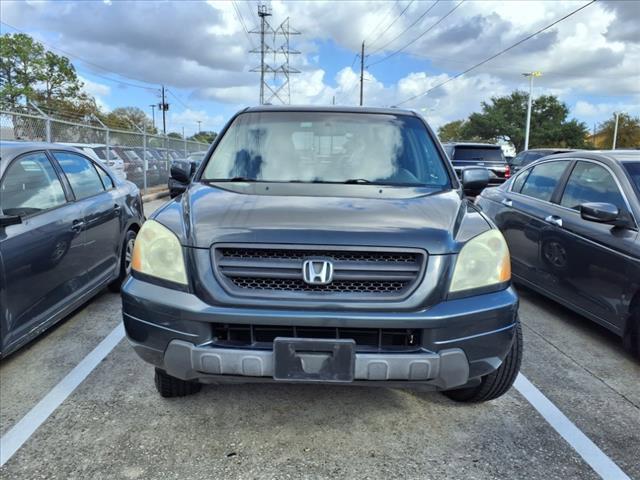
[325, 245]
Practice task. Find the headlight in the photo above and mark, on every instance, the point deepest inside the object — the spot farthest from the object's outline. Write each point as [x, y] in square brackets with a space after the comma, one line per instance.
[482, 262]
[158, 253]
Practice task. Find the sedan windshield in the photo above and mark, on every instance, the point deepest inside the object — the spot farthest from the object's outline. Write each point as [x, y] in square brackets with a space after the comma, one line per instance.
[328, 147]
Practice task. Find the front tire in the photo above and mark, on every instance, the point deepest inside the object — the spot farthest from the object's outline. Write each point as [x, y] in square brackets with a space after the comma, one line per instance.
[631, 340]
[496, 383]
[125, 261]
[169, 386]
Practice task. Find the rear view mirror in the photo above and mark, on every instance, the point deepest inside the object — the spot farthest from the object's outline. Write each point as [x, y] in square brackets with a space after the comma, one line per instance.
[599, 212]
[474, 179]
[181, 171]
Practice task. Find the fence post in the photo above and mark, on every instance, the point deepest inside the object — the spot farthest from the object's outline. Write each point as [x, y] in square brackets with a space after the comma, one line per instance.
[185, 147]
[107, 135]
[47, 120]
[144, 152]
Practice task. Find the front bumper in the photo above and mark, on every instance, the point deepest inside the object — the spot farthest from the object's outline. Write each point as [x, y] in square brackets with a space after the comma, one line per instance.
[461, 339]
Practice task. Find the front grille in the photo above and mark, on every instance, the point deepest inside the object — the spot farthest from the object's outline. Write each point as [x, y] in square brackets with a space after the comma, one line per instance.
[379, 274]
[367, 339]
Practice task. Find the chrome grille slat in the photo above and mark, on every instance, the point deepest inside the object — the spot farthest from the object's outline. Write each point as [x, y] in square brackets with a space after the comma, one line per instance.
[359, 273]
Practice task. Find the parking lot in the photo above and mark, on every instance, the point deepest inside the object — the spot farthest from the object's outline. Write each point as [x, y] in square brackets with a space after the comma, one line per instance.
[115, 425]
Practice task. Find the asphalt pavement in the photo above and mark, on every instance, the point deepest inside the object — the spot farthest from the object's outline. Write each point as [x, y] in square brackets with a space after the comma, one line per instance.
[115, 425]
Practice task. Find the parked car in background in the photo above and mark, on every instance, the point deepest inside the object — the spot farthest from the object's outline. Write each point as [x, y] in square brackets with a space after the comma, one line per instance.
[526, 157]
[337, 249]
[100, 152]
[571, 223]
[484, 155]
[67, 230]
[133, 164]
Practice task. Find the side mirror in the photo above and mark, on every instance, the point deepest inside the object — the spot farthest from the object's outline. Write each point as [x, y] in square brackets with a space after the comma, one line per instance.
[181, 171]
[600, 212]
[6, 220]
[474, 179]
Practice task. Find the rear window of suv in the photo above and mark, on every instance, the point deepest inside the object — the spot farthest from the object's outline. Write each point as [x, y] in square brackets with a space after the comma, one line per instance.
[480, 154]
[328, 147]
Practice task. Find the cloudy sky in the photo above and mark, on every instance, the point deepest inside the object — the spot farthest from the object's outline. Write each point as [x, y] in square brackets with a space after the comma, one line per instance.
[124, 50]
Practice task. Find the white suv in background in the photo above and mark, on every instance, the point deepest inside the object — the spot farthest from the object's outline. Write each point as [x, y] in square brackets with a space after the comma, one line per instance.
[98, 151]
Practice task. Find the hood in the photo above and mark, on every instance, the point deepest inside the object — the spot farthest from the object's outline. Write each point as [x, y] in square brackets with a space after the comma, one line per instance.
[364, 215]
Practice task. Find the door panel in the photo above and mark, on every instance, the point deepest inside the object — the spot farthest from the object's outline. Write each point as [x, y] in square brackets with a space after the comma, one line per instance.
[43, 257]
[522, 217]
[101, 214]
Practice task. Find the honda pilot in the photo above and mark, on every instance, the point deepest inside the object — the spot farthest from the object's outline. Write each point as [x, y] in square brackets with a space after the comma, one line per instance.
[331, 245]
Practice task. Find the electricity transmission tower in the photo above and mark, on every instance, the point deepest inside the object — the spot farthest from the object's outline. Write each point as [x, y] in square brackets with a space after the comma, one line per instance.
[274, 58]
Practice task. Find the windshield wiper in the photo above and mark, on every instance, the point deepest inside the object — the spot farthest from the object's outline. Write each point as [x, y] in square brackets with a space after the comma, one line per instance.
[232, 179]
[357, 180]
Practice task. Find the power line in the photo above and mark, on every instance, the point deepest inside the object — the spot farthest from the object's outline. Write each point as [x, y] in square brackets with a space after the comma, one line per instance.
[95, 65]
[384, 17]
[520, 42]
[185, 105]
[405, 30]
[394, 21]
[241, 20]
[418, 37]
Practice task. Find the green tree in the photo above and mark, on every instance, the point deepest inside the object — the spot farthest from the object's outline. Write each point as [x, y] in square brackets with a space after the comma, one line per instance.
[174, 135]
[451, 131]
[127, 118]
[204, 136]
[503, 118]
[21, 66]
[628, 132]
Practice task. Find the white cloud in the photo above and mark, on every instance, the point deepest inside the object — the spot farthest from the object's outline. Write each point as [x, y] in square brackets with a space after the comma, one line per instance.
[189, 120]
[97, 90]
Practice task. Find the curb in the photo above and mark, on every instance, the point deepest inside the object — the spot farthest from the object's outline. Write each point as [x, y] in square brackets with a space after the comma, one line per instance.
[155, 196]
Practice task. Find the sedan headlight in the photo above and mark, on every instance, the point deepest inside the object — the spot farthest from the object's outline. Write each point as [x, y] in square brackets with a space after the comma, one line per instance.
[482, 262]
[158, 253]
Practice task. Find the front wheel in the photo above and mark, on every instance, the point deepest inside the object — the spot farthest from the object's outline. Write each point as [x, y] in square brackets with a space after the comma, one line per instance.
[496, 383]
[125, 261]
[169, 386]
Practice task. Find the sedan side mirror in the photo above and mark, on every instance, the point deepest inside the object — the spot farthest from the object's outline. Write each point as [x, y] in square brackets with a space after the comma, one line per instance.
[474, 179]
[6, 220]
[181, 171]
[601, 212]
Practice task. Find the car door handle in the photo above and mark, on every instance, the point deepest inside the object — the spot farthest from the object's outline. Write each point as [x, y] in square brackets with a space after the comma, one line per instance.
[554, 220]
[506, 202]
[77, 226]
[117, 208]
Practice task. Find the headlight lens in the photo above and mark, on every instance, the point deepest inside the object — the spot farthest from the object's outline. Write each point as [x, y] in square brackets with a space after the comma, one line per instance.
[482, 262]
[158, 253]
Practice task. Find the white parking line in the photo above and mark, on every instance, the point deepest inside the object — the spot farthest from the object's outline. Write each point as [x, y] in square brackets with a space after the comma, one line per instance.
[21, 431]
[11, 441]
[590, 453]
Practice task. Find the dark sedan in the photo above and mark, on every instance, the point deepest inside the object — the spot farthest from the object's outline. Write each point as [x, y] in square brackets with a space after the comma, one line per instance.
[526, 157]
[67, 228]
[571, 223]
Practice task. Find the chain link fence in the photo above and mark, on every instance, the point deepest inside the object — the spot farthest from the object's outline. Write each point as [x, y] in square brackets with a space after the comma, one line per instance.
[141, 158]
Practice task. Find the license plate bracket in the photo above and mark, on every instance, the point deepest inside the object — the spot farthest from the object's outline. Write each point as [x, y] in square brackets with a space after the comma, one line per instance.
[314, 360]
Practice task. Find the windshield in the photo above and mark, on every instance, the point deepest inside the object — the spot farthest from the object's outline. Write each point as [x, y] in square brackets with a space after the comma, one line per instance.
[488, 154]
[328, 147]
[633, 169]
[101, 152]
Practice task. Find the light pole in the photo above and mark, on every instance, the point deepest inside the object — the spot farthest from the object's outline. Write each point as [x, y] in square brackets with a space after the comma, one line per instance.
[615, 132]
[199, 122]
[527, 128]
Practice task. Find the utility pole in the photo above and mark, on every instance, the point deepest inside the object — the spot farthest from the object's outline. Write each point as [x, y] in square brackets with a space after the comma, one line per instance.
[361, 72]
[274, 88]
[153, 114]
[615, 132]
[526, 132]
[199, 122]
[164, 106]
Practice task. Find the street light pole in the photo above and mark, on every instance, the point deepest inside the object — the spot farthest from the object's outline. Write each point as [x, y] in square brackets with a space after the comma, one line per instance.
[199, 129]
[615, 132]
[528, 125]
[153, 114]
